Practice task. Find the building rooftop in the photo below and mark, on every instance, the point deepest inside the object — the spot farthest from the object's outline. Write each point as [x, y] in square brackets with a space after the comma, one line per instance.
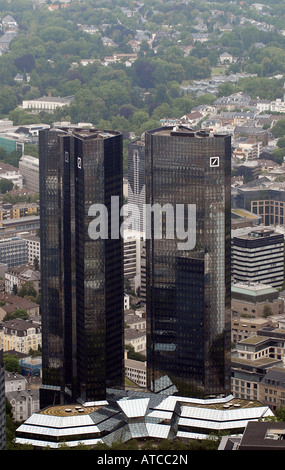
[263, 436]
[177, 131]
[134, 414]
[258, 233]
[252, 288]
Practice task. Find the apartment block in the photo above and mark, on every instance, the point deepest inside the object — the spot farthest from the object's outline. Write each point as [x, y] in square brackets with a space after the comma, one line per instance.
[20, 336]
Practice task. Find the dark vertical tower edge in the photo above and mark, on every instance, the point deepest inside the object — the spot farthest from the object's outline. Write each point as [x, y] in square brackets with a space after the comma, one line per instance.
[82, 282]
[188, 291]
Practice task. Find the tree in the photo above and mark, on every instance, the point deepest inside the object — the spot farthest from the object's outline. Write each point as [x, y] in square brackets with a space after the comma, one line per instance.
[5, 185]
[11, 363]
[27, 290]
[134, 355]
[19, 313]
[267, 311]
[278, 130]
[25, 63]
[8, 100]
[281, 142]
[36, 263]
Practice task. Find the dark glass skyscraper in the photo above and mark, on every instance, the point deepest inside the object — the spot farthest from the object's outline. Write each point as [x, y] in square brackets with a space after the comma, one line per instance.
[188, 287]
[81, 277]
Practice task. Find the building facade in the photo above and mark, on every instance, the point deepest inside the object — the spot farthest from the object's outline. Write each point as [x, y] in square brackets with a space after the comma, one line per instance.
[2, 403]
[188, 286]
[255, 300]
[20, 336]
[29, 169]
[258, 256]
[81, 274]
[13, 251]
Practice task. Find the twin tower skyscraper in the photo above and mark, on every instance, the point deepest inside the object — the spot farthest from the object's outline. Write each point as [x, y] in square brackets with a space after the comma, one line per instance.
[187, 175]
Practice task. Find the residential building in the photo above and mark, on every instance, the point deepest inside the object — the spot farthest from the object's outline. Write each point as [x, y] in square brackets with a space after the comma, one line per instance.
[253, 358]
[134, 321]
[10, 303]
[258, 256]
[188, 283]
[248, 150]
[20, 336]
[24, 403]
[14, 382]
[82, 287]
[272, 388]
[136, 338]
[2, 403]
[15, 211]
[18, 276]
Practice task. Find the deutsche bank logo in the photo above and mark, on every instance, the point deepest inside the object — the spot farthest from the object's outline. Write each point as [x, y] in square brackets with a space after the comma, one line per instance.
[214, 161]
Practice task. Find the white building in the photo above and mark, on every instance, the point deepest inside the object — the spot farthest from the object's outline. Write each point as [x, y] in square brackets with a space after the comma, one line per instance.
[136, 338]
[126, 302]
[12, 174]
[33, 246]
[24, 403]
[132, 257]
[46, 103]
[29, 169]
[14, 382]
[136, 371]
[20, 335]
[258, 256]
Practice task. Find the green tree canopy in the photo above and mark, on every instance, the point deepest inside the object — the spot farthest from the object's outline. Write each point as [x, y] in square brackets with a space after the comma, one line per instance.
[5, 185]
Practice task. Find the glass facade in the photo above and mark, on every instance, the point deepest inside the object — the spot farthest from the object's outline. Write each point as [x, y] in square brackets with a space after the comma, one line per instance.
[188, 290]
[136, 181]
[82, 282]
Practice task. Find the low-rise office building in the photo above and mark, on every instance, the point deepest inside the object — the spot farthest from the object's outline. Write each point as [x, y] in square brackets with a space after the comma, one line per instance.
[29, 169]
[247, 327]
[136, 371]
[138, 415]
[252, 299]
[258, 256]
